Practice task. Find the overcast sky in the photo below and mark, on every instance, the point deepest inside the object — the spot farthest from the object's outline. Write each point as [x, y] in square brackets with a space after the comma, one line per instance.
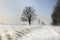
[10, 10]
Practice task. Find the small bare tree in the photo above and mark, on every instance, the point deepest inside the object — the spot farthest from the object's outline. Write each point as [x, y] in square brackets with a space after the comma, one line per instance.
[39, 21]
[28, 14]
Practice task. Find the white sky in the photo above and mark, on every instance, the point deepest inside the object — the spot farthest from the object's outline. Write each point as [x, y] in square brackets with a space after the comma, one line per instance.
[10, 10]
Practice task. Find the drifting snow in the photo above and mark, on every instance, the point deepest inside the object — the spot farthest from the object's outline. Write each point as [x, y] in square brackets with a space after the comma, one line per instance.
[34, 32]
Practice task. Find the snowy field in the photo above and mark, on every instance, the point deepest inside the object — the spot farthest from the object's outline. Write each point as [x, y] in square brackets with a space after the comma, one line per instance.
[26, 32]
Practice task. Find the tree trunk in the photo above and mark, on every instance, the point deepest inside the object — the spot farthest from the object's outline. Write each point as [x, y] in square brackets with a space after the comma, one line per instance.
[29, 21]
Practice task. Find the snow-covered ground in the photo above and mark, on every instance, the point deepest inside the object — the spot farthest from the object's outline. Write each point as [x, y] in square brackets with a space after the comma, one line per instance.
[26, 32]
[56, 28]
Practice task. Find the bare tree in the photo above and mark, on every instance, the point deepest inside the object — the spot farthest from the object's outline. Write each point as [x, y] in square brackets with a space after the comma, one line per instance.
[28, 15]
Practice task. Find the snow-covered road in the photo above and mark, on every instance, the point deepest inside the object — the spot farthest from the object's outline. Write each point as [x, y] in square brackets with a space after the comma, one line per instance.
[44, 33]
